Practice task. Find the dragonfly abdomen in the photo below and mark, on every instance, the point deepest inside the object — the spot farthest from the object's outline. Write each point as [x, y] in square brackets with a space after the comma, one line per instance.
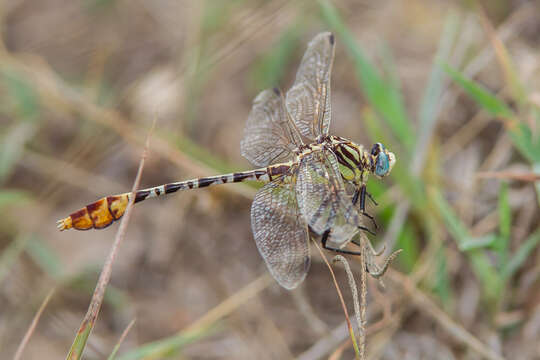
[105, 211]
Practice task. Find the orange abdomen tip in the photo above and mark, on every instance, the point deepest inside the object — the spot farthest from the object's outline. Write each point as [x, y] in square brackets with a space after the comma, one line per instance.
[64, 224]
[79, 220]
[97, 215]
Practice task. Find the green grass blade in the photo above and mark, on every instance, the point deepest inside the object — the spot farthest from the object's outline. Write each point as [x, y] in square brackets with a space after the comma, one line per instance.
[12, 253]
[482, 242]
[505, 222]
[12, 143]
[480, 94]
[112, 356]
[381, 93]
[485, 272]
[521, 255]
[442, 282]
[407, 240]
[167, 347]
[13, 197]
[77, 348]
[506, 64]
[431, 100]
[45, 258]
[519, 132]
[523, 140]
[22, 95]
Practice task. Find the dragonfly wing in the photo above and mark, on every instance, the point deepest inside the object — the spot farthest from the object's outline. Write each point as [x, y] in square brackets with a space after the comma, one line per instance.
[322, 198]
[280, 233]
[268, 136]
[308, 101]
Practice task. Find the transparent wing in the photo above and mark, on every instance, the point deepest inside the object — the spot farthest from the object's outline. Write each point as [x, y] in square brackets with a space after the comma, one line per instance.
[268, 135]
[308, 101]
[322, 198]
[280, 233]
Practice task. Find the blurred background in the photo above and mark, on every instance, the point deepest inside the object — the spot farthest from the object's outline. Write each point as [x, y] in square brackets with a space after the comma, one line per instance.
[451, 87]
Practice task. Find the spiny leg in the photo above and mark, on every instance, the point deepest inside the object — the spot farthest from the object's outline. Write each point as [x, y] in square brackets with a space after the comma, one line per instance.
[373, 251]
[371, 198]
[361, 195]
[355, 196]
[366, 230]
[324, 238]
[326, 234]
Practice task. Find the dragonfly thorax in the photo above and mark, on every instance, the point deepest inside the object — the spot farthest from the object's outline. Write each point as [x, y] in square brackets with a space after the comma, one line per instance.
[356, 163]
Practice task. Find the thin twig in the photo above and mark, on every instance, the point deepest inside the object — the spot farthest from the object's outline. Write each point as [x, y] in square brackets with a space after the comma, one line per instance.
[121, 340]
[509, 175]
[347, 318]
[338, 352]
[32, 327]
[363, 298]
[231, 303]
[360, 312]
[99, 292]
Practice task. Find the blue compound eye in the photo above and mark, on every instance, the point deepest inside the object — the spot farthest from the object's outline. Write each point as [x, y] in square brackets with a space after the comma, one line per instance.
[382, 166]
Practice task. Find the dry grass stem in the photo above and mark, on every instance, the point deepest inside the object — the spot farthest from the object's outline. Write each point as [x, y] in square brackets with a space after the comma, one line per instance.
[509, 175]
[32, 327]
[359, 311]
[99, 292]
[121, 339]
[347, 318]
[230, 304]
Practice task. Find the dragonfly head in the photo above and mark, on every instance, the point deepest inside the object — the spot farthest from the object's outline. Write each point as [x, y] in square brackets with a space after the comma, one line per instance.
[382, 160]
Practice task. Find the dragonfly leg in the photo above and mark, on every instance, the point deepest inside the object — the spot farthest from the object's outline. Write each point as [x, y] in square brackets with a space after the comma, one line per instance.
[355, 196]
[325, 238]
[366, 230]
[370, 218]
[373, 251]
[371, 197]
[362, 195]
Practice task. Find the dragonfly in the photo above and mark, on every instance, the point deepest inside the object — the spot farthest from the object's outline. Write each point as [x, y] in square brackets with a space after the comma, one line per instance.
[315, 183]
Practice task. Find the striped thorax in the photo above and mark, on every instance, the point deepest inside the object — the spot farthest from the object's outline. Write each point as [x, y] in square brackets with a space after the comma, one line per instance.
[355, 163]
